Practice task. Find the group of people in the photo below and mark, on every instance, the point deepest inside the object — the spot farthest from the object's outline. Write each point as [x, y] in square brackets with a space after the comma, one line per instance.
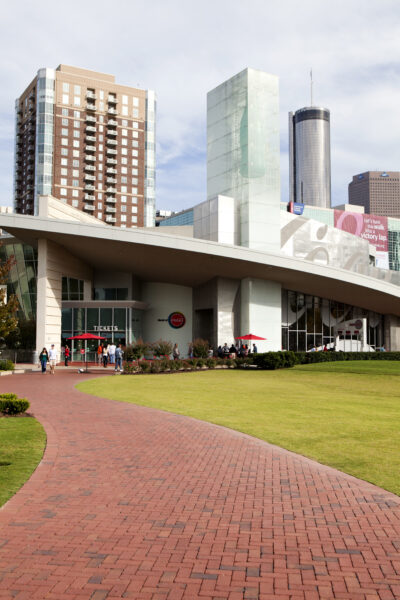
[235, 350]
[48, 357]
[110, 354]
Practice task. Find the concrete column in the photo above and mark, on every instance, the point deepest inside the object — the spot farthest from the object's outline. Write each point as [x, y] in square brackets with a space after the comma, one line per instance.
[261, 312]
[392, 333]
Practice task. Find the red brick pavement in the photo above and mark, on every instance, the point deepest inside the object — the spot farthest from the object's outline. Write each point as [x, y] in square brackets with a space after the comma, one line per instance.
[131, 502]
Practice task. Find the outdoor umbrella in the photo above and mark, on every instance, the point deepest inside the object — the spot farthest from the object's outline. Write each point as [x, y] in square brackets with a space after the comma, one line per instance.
[250, 337]
[86, 336]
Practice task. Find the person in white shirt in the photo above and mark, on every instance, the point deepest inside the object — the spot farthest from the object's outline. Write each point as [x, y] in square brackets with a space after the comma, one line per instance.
[111, 353]
[52, 359]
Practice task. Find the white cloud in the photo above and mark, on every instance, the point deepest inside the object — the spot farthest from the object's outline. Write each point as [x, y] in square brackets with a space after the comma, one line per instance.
[182, 49]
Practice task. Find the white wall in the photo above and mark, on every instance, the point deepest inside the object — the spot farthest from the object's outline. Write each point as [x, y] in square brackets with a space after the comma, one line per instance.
[164, 299]
[214, 220]
[261, 312]
[53, 208]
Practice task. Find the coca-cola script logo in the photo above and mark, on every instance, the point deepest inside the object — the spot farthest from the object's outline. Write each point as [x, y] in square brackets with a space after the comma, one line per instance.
[176, 320]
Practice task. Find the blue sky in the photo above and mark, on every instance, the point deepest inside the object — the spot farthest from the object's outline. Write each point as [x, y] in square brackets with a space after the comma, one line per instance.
[182, 49]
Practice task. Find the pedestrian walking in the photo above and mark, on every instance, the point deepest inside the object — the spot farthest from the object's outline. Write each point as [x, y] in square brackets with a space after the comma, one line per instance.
[119, 353]
[105, 356]
[100, 354]
[53, 359]
[111, 353]
[175, 352]
[67, 354]
[44, 359]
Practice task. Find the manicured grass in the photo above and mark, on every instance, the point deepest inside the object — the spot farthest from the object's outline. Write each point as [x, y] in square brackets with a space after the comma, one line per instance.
[343, 414]
[22, 443]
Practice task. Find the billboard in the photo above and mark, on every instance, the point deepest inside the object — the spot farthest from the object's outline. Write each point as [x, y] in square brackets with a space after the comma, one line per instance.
[372, 228]
[296, 208]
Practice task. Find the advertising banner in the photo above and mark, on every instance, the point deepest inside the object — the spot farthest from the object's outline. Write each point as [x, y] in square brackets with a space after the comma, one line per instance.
[372, 228]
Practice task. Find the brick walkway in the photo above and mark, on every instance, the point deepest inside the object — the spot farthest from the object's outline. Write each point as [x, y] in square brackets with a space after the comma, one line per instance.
[130, 502]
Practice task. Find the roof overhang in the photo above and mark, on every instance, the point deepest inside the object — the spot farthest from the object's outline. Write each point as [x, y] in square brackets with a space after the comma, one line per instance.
[154, 256]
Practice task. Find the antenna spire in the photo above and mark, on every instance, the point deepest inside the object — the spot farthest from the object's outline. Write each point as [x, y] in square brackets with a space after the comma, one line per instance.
[311, 86]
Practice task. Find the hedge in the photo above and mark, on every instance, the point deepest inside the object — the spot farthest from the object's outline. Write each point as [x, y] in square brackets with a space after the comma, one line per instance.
[287, 359]
[6, 365]
[10, 404]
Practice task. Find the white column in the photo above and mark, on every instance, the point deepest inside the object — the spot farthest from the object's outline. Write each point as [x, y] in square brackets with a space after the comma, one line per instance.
[261, 312]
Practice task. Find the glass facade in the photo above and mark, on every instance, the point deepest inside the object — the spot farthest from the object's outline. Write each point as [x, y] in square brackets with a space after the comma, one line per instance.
[22, 277]
[183, 218]
[309, 321]
[72, 289]
[44, 134]
[150, 161]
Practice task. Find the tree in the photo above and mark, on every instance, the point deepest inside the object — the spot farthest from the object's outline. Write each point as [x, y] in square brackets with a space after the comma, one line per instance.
[8, 306]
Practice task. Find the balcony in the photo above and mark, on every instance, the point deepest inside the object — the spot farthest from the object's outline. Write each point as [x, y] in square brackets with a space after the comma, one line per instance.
[90, 95]
[112, 99]
[90, 119]
[111, 209]
[89, 207]
[90, 197]
[110, 170]
[112, 111]
[112, 122]
[89, 186]
[111, 200]
[111, 180]
[111, 132]
[111, 142]
[90, 107]
[111, 151]
[90, 157]
[90, 148]
[110, 219]
[90, 128]
[111, 190]
[112, 161]
[90, 168]
[90, 138]
[89, 177]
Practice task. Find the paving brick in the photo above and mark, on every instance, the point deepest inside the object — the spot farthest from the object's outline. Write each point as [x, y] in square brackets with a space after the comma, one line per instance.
[130, 502]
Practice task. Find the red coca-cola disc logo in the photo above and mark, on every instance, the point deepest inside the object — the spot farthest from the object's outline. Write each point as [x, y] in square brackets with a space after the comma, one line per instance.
[176, 320]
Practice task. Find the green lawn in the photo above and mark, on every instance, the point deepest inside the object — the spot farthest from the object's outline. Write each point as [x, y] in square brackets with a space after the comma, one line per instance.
[343, 414]
[22, 443]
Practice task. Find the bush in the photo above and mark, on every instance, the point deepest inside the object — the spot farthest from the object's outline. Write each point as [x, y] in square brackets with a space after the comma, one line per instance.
[6, 365]
[144, 366]
[10, 404]
[211, 363]
[305, 358]
[200, 348]
[274, 360]
[155, 366]
[162, 348]
[136, 350]
[243, 362]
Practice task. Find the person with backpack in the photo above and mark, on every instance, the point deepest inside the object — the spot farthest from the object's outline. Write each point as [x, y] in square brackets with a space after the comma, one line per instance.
[119, 353]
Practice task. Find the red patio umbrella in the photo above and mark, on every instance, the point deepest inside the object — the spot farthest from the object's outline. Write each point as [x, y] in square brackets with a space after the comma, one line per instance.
[250, 336]
[86, 336]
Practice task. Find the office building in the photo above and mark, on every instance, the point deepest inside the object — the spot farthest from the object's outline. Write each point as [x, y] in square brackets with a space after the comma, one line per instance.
[310, 157]
[377, 191]
[89, 142]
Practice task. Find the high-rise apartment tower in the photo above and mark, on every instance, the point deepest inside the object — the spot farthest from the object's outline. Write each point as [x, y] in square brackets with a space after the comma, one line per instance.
[310, 156]
[377, 191]
[89, 142]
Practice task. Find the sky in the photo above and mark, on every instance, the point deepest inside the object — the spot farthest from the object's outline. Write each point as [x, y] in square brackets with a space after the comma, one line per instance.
[184, 48]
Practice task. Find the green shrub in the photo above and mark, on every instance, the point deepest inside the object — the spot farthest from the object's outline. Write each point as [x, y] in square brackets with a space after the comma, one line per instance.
[136, 350]
[155, 366]
[8, 396]
[243, 362]
[211, 363]
[162, 348]
[305, 358]
[6, 365]
[274, 360]
[200, 348]
[13, 406]
[144, 366]
[201, 363]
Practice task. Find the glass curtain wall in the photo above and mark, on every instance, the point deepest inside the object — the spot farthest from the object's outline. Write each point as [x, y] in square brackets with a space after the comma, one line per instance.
[309, 321]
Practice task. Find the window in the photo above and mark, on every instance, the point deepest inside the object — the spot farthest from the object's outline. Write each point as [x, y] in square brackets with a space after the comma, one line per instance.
[77, 124]
[101, 105]
[124, 161]
[134, 190]
[135, 144]
[124, 123]
[124, 99]
[135, 162]
[65, 99]
[123, 208]
[77, 100]
[100, 195]
[100, 186]
[64, 112]
[135, 124]
[101, 119]
[134, 181]
[135, 134]
[100, 176]
[100, 148]
[75, 182]
[124, 188]
[76, 143]
[64, 151]
[124, 170]
[135, 101]
[64, 161]
[134, 219]
[101, 128]
[100, 157]
[63, 181]
[124, 132]
[77, 115]
[135, 172]
[124, 142]
[63, 191]
[64, 131]
[134, 209]
[135, 113]
[75, 173]
[75, 203]
[101, 137]
[99, 215]
[77, 133]
[124, 180]
[124, 151]
[77, 89]
[123, 218]
[65, 87]
[75, 153]
[100, 167]
[123, 198]
[75, 193]
[101, 94]
[99, 205]
[65, 122]
[64, 171]
[75, 163]
[125, 111]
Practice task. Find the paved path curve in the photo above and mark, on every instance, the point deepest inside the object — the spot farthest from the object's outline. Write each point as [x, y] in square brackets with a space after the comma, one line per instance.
[130, 502]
